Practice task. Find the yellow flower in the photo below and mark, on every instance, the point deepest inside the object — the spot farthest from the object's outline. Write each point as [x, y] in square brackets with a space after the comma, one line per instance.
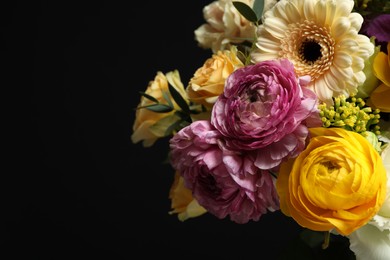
[149, 125]
[380, 97]
[320, 37]
[208, 81]
[182, 201]
[337, 182]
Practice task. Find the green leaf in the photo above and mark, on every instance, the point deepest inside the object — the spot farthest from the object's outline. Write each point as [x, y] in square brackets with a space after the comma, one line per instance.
[149, 97]
[183, 116]
[159, 108]
[258, 8]
[179, 99]
[246, 11]
[167, 98]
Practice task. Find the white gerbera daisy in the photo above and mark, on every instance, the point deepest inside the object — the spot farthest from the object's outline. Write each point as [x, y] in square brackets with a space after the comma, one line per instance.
[321, 39]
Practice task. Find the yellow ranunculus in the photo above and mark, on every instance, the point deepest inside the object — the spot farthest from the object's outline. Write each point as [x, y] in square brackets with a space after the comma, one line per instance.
[182, 201]
[148, 125]
[380, 97]
[337, 182]
[208, 81]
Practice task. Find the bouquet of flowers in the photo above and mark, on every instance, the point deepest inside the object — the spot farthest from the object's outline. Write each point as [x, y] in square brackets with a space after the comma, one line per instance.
[290, 112]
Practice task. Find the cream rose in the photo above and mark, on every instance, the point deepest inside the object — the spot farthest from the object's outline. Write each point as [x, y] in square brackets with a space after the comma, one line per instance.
[338, 182]
[208, 81]
[225, 26]
[149, 125]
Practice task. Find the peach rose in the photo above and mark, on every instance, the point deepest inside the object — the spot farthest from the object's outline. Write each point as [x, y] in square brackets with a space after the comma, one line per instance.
[225, 26]
[208, 81]
[337, 182]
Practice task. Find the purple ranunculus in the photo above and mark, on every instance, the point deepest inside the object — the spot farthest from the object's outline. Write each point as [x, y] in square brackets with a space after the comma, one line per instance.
[264, 109]
[378, 26]
[224, 182]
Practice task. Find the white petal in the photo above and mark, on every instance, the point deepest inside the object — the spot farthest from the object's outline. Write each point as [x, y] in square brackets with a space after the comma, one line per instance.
[368, 242]
[258, 57]
[321, 15]
[347, 45]
[342, 59]
[268, 45]
[333, 82]
[275, 26]
[293, 12]
[341, 73]
[356, 21]
[360, 77]
[279, 11]
[322, 90]
[357, 63]
[331, 7]
[366, 48]
[308, 10]
[340, 26]
[350, 86]
[344, 7]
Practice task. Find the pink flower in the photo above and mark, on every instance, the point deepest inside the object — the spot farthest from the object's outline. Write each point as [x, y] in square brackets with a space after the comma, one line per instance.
[224, 182]
[264, 109]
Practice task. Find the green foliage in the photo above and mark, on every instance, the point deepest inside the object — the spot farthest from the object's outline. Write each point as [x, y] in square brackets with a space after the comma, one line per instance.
[147, 96]
[246, 11]
[173, 122]
[180, 101]
[258, 8]
[251, 14]
[158, 108]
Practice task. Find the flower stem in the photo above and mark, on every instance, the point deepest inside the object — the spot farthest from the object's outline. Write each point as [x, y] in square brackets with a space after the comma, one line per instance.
[326, 240]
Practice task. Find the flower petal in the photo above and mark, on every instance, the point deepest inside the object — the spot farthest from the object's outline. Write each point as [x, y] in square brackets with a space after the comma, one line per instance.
[340, 26]
[276, 26]
[381, 67]
[380, 98]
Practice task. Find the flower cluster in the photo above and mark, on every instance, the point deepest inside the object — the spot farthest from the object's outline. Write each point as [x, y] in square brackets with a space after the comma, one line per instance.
[290, 112]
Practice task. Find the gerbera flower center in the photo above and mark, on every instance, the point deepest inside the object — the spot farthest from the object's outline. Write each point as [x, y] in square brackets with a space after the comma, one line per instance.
[310, 51]
[309, 47]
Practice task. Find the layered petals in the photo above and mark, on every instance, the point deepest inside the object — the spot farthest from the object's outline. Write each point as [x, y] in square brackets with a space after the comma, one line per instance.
[264, 109]
[224, 182]
[338, 182]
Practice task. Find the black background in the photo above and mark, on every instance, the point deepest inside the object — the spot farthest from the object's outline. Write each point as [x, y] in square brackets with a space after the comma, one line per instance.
[79, 188]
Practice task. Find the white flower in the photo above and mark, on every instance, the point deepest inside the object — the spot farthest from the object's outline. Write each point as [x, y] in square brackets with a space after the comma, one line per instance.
[372, 241]
[225, 25]
[321, 38]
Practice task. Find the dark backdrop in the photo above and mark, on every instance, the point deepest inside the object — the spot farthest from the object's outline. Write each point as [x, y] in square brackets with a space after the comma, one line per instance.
[79, 188]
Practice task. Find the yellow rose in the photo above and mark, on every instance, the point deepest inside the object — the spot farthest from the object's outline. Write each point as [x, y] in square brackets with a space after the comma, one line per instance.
[182, 201]
[208, 81]
[149, 125]
[380, 97]
[337, 182]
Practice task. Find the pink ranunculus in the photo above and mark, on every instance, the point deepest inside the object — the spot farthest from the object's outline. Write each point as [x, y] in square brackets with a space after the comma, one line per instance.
[265, 109]
[224, 182]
